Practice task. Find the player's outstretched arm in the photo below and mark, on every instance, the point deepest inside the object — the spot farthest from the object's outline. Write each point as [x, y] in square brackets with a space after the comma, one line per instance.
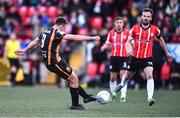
[33, 44]
[80, 37]
[163, 45]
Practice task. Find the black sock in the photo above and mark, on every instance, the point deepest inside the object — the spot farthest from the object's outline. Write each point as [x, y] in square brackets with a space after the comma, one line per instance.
[83, 93]
[12, 77]
[74, 96]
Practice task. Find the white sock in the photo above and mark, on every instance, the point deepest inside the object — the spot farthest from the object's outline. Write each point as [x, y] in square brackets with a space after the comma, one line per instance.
[123, 81]
[112, 86]
[150, 88]
[123, 91]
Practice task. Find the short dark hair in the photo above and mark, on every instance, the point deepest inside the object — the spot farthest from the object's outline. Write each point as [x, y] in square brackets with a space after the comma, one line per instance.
[118, 18]
[148, 10]
[61, 21]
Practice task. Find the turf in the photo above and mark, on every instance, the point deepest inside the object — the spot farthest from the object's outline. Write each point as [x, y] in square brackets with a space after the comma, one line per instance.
[54, 102]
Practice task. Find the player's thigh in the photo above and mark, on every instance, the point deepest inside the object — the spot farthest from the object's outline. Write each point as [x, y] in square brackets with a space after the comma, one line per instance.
[73, 78]
[148, 72]
[128, 74]
[134, 65]
[61, 69]
[113, 75]
[14, 65]
[114, 64]
[122, 72]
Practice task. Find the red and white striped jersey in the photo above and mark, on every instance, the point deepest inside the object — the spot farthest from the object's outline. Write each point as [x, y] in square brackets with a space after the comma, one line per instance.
[143, 40]
[118, 42]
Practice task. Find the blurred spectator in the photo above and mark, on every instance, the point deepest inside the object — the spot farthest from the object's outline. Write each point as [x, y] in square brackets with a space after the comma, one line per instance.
[140, 4]
[166, 35]
[11, 46]
[97, 56]
[175, 75]
[3, 34]
[165, 74]
[1, 47]
[35, 61]
[45, 20]
[160, 19]
[8, 26]
[2, 15]
[13, 13]
[172, 7]
[97, 8]
[36, 28]
[81, 18]
[176, 36]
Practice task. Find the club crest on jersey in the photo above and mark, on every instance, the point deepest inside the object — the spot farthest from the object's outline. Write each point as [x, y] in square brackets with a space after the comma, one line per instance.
[124, 36]
[152, 34]
[61, 32]
[68, 69]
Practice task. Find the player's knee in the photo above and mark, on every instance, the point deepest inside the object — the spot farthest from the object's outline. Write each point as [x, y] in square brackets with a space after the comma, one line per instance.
[74, 82]
[13, 69]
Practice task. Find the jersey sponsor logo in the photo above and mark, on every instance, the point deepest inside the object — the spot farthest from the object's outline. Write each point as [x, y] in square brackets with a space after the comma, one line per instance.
[119, 43]
[144, 41]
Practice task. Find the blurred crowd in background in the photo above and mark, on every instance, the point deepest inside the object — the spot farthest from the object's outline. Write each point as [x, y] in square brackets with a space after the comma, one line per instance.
[27, 18]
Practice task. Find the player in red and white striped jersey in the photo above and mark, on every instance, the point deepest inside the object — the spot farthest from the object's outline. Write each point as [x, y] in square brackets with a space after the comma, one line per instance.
[116, 40]
[143, 35]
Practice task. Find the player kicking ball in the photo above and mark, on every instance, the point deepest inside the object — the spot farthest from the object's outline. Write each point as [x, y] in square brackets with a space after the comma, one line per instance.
[143, 35]
[50, 42]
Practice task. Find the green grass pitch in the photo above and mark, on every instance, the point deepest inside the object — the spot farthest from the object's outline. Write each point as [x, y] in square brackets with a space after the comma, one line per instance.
[54, 102]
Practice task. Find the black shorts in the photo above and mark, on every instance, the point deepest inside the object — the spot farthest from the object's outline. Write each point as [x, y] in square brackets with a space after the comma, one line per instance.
[62, 69]
[137, 64]
[118, 63]
[14, 62]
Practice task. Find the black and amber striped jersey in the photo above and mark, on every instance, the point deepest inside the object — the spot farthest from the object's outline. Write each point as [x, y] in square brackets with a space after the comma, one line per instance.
[50, 45]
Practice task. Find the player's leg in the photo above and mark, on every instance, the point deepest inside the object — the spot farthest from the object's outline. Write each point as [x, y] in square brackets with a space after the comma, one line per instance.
[125, 78]
[13, 70]
[114, 70]
[150, 84]
[132, 68]
[113, 83]
[65, 72]
[87, 98]
[124, 89]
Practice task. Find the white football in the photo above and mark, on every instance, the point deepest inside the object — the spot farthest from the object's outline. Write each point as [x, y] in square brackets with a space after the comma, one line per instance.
[103, 97]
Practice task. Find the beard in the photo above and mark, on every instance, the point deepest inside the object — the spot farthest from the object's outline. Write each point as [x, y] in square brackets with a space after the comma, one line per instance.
[145, 22]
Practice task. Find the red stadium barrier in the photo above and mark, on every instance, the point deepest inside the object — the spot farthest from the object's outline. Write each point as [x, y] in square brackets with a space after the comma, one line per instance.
[96, 22]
